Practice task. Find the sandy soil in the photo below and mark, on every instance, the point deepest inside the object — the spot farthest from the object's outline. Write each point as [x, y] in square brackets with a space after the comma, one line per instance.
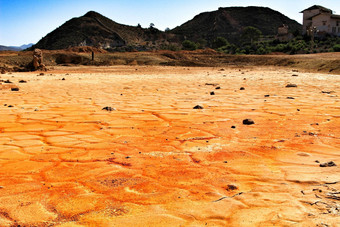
[155, 161]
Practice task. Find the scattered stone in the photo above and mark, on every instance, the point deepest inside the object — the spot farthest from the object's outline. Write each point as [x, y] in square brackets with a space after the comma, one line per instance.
[248, 122]
[242, 88]
[108, 108]
[291, 85]
[298, 109]
[221, 70]
[328, 164]
[212, 93]
[198, 107]
[10, 106]
[266, 96]
[3, 71]
[231, 187]
[14, 89]
[7, 82]
[22, 81]
[317, 161]
[225, 162]
[217, 88]
[63, 79]
[233, 126]
[327, 92]
[41, 74]
[295, 75]
[290, 98]
[211, 84]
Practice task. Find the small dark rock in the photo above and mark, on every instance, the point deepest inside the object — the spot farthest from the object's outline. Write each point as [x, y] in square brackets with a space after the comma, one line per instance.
[41, 74]
[266, 96]
[217, 88]
[298, 109]
[108, 108]
[327, 92]
[295, 75]
[3, 71]
[328, 164]
[22, 81]
[290, 98]
[198, 107]
[242, 88]
[210, 84]
[317, 161]
[231, 187]
[10, 106]
[7, 82]
[233, 126]
[63, 79]
[291, 85]
[14, 89]
[212, 93]
[248, 122]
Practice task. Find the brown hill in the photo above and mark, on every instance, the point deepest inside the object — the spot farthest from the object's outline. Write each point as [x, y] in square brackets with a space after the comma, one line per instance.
[229, 23]
[93, 29]
[96, 30]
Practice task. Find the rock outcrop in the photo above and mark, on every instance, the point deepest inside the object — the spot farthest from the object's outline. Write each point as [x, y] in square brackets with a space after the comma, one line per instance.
[38, 60]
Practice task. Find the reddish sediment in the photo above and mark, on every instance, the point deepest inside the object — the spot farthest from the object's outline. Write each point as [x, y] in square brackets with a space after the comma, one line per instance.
[153, 160]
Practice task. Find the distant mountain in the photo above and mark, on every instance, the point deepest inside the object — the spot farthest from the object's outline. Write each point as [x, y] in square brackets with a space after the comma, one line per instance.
[25, 46]
[16, 48]
[229, 23]
[93, 29]
[2, 48]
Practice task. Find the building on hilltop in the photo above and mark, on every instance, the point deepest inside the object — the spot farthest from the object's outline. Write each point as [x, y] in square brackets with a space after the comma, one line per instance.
[320, 21]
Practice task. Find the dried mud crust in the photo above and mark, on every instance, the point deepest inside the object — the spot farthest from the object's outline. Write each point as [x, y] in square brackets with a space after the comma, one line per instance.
[154, 160]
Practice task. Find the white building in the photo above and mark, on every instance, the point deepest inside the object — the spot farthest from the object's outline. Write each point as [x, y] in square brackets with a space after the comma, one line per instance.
[321, 21]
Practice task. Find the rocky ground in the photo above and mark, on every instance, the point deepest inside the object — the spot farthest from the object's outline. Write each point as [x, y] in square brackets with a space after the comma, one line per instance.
[124, 146]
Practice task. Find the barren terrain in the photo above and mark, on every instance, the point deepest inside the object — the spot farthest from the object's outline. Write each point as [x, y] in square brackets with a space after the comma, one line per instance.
[153, 160]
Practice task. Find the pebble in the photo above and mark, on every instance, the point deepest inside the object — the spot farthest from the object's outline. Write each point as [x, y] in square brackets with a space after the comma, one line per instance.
[198, 107]
[108, 108]
[328, 164]
[248, 122]
[291, 85]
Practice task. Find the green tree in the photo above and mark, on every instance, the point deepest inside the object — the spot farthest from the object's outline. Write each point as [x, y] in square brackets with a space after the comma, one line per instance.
[219, 42]
[251, 34]
[189, 45]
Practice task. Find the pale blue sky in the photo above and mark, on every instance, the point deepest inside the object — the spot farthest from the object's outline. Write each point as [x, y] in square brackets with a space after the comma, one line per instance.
[27, 21]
